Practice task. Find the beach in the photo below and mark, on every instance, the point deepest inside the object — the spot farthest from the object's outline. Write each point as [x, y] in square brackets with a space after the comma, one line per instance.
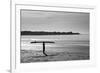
[63, 49]
[28, 56]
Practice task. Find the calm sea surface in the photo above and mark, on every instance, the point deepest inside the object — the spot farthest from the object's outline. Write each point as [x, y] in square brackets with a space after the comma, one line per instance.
[61, 41]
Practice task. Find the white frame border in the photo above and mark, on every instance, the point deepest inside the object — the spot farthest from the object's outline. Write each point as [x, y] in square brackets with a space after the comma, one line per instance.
[70, 64]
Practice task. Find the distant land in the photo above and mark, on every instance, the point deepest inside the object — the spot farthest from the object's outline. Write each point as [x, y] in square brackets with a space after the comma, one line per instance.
[47, 33]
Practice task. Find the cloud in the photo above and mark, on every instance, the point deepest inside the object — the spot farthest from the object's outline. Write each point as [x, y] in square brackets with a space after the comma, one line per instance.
[60, 21]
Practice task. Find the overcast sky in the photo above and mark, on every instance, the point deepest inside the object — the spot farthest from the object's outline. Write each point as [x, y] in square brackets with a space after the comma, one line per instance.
[54, 21]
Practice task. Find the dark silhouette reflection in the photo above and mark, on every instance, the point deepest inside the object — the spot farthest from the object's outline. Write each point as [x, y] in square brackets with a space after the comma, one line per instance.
[43, 45]
[44, 49]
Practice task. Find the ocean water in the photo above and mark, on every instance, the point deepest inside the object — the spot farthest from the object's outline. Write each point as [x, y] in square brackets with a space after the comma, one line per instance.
[62, 42]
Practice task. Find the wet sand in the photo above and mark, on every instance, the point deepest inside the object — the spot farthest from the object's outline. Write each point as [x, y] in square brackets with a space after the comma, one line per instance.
[69, 54]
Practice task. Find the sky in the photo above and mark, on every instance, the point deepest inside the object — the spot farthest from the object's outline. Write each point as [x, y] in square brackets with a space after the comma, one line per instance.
[32, 20]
